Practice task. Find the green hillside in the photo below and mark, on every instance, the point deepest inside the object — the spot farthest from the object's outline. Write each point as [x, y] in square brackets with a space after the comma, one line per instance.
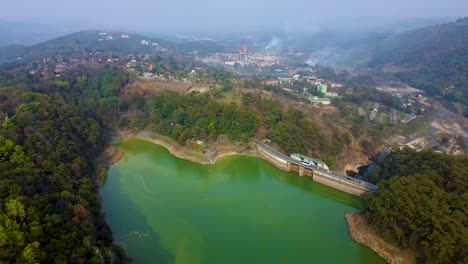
[434, 59]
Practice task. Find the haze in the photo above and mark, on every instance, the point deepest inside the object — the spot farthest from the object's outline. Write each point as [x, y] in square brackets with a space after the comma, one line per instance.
[182, 15]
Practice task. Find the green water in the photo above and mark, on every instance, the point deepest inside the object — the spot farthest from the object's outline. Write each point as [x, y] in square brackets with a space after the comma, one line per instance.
[162, 209]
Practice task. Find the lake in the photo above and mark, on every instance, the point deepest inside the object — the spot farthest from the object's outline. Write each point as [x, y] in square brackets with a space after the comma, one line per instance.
[163, 209]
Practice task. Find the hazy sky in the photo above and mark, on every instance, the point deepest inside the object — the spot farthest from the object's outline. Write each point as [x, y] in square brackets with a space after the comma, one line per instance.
[169, 15]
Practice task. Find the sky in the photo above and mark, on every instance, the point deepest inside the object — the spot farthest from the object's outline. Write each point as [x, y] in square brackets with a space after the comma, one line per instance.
[180, 15]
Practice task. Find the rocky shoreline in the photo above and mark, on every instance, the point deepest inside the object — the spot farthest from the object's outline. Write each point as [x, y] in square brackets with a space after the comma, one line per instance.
[362, 233]
[209, 155]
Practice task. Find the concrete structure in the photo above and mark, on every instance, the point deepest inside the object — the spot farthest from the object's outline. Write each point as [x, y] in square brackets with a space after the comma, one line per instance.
[331, 94]
[317, 100]
[315, 162]
[285, 80]
[375, 107]
[243, 53]
[361, 112]
[331, 179]
[372, 115]
[310, 78]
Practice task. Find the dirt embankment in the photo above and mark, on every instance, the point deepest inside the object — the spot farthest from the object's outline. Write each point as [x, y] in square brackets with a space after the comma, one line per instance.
[206, 154]
[110, 156]
[362, 233]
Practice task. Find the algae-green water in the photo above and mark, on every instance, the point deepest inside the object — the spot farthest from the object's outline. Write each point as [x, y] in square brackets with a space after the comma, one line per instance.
[163, 209]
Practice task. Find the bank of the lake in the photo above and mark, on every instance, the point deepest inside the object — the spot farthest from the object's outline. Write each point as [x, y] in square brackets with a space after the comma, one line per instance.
[201, 154]
[365, 235]
[163, 209]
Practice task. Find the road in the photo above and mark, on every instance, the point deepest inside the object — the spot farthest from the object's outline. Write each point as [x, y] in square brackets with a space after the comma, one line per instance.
[327, 173]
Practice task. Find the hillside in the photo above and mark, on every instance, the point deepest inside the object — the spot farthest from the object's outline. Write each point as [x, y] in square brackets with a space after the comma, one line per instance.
[434, 59]
[116, 42]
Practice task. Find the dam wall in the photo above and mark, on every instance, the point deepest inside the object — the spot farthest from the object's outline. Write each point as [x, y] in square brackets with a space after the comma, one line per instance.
[340, 183]
[342, 186]
[278, 162]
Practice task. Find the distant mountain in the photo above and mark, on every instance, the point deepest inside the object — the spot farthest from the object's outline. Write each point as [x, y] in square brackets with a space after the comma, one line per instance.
[114, 42]
[117, 42]
[433, 58]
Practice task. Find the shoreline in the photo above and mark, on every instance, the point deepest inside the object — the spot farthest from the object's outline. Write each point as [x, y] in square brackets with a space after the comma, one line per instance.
[362, 233]
[209, 155]
[109, 157]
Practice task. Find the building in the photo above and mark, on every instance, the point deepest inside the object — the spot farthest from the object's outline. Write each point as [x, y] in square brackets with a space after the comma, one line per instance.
[285, 80]
[310, 78]
[375, 107]
[148, 75]
[361, 112]
[331, 95]
[322, 88]
[317, 100]
[372, 115]
[271, 83]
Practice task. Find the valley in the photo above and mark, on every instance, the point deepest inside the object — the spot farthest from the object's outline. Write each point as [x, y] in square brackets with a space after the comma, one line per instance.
[79, 114]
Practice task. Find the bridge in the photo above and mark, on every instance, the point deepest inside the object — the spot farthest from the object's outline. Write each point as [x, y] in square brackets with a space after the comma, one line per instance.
[326, 177]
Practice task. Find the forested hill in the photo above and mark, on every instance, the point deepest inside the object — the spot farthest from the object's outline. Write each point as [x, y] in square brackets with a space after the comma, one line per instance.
[50, 135]
[422, 204]
[117, 42]
[433, 58]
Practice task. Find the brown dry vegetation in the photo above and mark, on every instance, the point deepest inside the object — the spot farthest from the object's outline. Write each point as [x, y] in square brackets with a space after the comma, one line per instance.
[148, 87]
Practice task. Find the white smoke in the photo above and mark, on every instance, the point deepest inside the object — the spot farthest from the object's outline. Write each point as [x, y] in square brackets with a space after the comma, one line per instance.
[274, 44]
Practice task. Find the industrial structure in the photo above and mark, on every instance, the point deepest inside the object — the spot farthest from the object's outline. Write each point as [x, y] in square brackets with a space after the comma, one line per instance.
[243, 53]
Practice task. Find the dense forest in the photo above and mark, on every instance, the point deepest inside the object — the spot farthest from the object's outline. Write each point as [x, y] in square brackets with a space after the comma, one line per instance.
[50, 136]
[200, 117]
[422, 204]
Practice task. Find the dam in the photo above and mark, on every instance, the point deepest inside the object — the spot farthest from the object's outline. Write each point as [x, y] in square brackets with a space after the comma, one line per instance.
[340, 182]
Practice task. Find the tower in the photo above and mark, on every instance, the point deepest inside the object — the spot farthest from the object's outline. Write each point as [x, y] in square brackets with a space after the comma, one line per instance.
[243, 53]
